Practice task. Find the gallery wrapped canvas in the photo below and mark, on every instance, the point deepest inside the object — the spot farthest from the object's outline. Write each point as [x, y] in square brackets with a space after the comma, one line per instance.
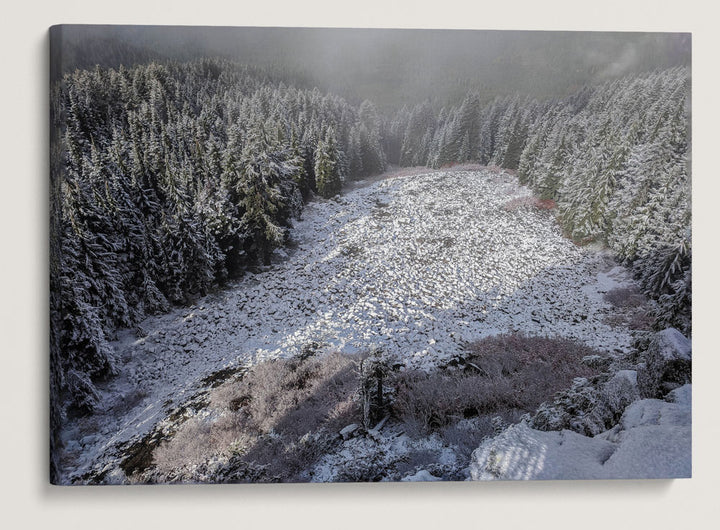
[331, 255]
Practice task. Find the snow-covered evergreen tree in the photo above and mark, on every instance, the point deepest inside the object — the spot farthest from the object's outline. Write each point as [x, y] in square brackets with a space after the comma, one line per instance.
[266, 170]
[327, 174]
[368, 129]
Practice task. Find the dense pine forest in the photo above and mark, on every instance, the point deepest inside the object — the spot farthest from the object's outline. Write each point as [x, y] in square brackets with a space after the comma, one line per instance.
[171, 178]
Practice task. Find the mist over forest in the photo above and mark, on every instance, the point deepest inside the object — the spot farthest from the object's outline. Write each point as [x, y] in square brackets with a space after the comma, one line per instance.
[393, 67]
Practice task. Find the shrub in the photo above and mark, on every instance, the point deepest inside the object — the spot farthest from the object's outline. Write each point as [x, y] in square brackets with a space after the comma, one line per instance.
[497, 375]
[438, 399]
[529, 202]
[466, 435]
[367, 468]
[624, 297]
[279, 416]
[274, 421]
[198, 440]
[633, 305]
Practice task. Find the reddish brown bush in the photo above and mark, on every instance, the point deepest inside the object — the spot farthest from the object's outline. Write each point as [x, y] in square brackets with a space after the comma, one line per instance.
[529, 202]
[498, 374]
[631, 306]
[274, 421]
[625, 297]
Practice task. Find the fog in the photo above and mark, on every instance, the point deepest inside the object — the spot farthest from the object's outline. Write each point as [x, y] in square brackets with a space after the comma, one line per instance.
[394, 67]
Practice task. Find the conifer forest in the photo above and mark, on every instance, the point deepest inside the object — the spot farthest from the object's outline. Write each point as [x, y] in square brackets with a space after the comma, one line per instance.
[181, 176]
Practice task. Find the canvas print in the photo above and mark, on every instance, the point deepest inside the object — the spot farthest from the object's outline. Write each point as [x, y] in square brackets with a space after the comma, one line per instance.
[363, 255]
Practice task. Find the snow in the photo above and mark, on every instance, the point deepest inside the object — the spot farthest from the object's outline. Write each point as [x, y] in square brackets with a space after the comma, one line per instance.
[656, 412]
[387, 455]
[607, 281]
[421, 476]
[629, 377]
[348, 431]
[652, 452]
[667, 363]
[417, 265]
[522, 453]
[653, 440]
[682, 396]
[671, 345]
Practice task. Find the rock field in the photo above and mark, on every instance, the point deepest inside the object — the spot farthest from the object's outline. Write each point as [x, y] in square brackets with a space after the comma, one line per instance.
[417, 266]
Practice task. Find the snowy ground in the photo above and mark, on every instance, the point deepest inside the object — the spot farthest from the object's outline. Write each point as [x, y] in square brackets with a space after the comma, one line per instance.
[652, 440]
[416, 265]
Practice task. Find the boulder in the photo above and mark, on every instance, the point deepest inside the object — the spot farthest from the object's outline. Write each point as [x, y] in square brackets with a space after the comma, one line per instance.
[589, 408]
[681, 396]
[652, 440]
[667, 364]
[421, 476]
[652, 451]
[599, 362]
[522, 453]
[349, 431]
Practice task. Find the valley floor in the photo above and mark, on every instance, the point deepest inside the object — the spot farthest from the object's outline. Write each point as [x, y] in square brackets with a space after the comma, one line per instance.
[417, 266]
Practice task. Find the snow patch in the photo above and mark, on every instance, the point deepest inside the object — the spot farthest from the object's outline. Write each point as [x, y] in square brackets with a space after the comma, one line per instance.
[653, 440]
[421, 476]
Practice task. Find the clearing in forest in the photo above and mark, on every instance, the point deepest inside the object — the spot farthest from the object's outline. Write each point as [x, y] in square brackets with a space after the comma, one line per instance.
[418, 266]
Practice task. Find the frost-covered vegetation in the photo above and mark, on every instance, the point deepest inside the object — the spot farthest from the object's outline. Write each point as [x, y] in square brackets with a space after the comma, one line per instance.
[277, 420]
[339, 417]
[171, 179]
